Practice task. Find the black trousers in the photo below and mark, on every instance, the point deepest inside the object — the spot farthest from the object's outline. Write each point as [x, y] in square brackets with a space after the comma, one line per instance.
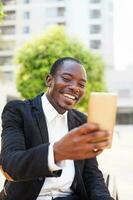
[2, 195]
[70, 197]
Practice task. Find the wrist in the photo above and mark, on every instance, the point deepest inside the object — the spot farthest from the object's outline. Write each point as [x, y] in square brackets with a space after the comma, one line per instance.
[57, 155]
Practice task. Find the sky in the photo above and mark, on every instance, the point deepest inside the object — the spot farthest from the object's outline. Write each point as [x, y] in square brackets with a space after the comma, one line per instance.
[123, 33]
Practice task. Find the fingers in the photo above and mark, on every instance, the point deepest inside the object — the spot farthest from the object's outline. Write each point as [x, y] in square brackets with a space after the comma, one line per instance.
[86, 141]
[89, 127]
[93, 147]
[99, 145]
[98, 136]
[74, 151]
[93, 137]
[93, 154]
[89, 154]
[86, 128]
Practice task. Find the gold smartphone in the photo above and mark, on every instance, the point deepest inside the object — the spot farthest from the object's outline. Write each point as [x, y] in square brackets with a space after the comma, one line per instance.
[102, 110]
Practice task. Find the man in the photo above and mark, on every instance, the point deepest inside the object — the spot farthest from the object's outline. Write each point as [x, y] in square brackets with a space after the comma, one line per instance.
[48, 149]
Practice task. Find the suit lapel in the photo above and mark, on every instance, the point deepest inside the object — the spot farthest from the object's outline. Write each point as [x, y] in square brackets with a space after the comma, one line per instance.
[40, 118]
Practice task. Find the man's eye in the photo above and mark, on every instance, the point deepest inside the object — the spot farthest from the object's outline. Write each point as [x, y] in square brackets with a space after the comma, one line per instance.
[81, 85]
[66, 79]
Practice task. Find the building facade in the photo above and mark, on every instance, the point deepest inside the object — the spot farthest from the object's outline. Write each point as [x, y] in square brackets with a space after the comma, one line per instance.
[121, 82]
[90, 20]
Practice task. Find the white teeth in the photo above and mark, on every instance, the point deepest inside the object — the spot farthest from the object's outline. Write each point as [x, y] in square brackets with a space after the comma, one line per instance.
[69, 96]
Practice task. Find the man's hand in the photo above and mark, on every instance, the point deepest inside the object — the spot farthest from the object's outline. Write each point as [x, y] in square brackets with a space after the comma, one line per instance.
[86, 141]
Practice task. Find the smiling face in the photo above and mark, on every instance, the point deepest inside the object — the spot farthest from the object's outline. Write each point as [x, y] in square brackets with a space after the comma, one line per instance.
[67, 86]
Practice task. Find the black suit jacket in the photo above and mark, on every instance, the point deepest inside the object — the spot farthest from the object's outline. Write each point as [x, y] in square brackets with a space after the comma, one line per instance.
[24, 154]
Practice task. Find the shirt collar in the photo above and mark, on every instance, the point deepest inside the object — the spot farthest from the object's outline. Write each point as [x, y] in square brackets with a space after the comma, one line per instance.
[49, 111]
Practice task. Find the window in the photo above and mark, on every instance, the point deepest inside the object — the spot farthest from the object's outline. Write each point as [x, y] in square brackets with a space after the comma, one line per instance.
[61, 23]
[60, 11]
[5, 60]
[10, 15]
[124, 118]
[95, 44]
[26, 29]
[26, 15]
[8, 30]
[8, 75]
[26, 1]
[55, 12]
[95, 28]
[54, 0]
[95, 1]
[7, 2]
[124, 93]
[96, 13]
[7, 45]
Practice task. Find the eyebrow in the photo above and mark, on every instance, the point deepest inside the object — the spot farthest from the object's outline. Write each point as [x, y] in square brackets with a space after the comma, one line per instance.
[66, 73]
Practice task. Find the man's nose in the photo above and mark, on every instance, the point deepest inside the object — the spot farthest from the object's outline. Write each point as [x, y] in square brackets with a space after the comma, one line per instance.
[75, 88]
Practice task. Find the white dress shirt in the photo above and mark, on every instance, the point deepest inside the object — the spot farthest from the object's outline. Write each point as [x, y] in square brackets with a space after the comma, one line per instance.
[57, 128]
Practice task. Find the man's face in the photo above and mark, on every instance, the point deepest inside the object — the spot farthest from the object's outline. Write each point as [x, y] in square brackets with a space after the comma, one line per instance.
[67, 86]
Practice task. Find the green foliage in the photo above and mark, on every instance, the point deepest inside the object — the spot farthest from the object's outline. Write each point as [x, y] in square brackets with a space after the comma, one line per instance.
[1, 11]
[37, 56]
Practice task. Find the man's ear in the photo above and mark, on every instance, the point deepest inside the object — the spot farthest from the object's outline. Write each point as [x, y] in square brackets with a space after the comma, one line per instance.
[49, 79]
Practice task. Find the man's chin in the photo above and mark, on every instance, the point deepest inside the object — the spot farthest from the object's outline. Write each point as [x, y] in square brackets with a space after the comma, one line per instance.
[64, 108]
[68, 107]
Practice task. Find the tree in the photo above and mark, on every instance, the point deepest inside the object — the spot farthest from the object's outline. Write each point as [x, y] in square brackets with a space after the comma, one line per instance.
[1, 11]
[37, 55]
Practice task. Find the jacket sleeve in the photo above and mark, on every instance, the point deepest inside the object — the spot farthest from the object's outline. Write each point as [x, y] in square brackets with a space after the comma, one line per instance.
[19, 163]
[94, 181]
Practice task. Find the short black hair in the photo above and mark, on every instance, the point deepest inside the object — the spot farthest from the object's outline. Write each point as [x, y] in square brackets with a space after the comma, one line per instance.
[59, 62]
